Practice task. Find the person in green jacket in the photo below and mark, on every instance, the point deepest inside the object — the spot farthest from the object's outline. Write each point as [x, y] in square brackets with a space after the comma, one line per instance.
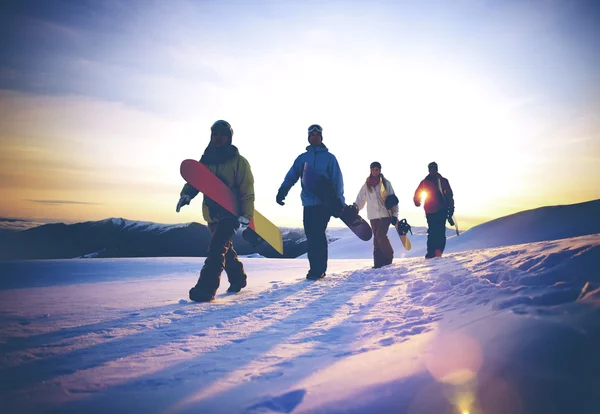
[224, 160]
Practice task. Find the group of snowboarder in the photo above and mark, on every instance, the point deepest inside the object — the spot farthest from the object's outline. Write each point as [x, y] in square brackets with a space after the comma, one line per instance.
[224, 160]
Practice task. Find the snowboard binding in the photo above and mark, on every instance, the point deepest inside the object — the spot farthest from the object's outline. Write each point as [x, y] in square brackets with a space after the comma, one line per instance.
[403, 227]
[252, 237]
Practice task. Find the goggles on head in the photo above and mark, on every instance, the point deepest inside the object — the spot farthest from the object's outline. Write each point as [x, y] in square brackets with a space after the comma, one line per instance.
[315, 127]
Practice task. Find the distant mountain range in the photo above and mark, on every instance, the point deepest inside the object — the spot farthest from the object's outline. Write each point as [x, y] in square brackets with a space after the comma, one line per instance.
[117, 237]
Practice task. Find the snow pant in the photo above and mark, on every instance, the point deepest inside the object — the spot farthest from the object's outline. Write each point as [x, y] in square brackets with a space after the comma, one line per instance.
[436, 232]
[315, 222]
[383, 253]
[221, 256]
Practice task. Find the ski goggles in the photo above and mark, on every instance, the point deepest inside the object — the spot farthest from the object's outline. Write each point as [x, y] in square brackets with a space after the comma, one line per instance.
[315, 127]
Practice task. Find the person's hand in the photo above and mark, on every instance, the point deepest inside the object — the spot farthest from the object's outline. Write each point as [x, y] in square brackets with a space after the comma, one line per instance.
[183, 200]
[450, 212]
[280, 197]
[394, 220]
[417, 203]
[243, 224]
[354, 207]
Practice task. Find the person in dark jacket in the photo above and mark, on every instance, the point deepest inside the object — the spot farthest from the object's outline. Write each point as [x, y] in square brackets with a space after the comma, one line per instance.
[316, 214]
[224, 160]
[438, 202]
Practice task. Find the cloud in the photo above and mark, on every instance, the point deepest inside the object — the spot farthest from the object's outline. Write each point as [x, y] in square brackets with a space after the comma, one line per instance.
[62, 202]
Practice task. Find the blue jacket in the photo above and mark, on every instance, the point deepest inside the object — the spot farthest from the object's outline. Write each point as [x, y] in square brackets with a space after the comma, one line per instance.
[324, 163]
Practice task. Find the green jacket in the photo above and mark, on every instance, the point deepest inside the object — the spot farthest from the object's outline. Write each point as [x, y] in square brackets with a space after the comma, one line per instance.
[234, 170]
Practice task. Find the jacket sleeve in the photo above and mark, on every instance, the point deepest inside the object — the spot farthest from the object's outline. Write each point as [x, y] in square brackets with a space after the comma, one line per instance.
[361, 198]
[417, 196]
[190, 190]
[293, 175]
[246, 185]
[337, 179]
[390, 191]
[448, 195]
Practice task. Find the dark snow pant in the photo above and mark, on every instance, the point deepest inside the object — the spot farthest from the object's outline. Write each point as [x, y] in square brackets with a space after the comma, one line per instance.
[221, 256]
[383, 253]
[436, 232]
[315, 222]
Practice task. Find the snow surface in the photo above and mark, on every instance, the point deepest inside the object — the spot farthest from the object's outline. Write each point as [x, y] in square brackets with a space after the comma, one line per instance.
[512, 329]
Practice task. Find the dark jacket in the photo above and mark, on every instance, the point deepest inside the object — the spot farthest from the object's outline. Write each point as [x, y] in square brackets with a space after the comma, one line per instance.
[439, 194]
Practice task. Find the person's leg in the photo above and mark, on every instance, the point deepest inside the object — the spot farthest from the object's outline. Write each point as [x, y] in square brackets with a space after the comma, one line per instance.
[377, 254]
[440, 232]
[208, 283]
[235, 270]
[315, 222]
[387, 252]
[430, 236]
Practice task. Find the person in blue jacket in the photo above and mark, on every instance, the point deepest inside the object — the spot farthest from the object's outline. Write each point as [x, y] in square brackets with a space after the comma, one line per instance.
[316, 214]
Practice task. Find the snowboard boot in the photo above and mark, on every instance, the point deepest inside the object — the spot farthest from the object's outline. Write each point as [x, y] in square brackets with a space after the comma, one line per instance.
[197, 294]
[430, 255]
[314, 276]
[236, 287]
[438, 253]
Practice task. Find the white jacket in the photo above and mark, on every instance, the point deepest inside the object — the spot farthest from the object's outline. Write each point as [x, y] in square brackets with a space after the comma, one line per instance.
[375, 200]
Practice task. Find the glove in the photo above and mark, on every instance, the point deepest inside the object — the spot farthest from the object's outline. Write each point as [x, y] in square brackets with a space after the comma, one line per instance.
[243, 224]
[394, 220]
[354, 207]
[450, 212]
[183, 200]
[280, 197]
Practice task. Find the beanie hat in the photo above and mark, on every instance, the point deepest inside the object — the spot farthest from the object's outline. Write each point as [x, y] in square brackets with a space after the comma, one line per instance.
[375, 164]
[221, 125]
[432, 165]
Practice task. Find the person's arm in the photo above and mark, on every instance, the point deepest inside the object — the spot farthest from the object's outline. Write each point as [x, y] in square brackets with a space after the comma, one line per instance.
[292, 176]
[394, 209]
[417, 196]
[361, 198]
[189, 190]
[449, 197]
[246, 185]
[337, 179]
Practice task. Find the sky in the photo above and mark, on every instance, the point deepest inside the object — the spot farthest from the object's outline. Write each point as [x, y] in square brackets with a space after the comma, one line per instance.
[510, 329]
[101, 101]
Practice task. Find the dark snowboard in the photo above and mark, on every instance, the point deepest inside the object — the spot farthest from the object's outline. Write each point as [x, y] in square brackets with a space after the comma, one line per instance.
[325, 191]
[402, 226]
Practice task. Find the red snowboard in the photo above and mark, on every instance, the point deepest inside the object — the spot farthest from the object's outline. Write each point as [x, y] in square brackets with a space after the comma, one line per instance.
[199, 176]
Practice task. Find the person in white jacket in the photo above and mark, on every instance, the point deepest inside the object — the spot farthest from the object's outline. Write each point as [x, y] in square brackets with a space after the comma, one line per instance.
[373, 193]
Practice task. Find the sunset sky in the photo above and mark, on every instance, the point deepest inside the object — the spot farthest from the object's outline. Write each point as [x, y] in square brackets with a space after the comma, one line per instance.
[100, 101]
